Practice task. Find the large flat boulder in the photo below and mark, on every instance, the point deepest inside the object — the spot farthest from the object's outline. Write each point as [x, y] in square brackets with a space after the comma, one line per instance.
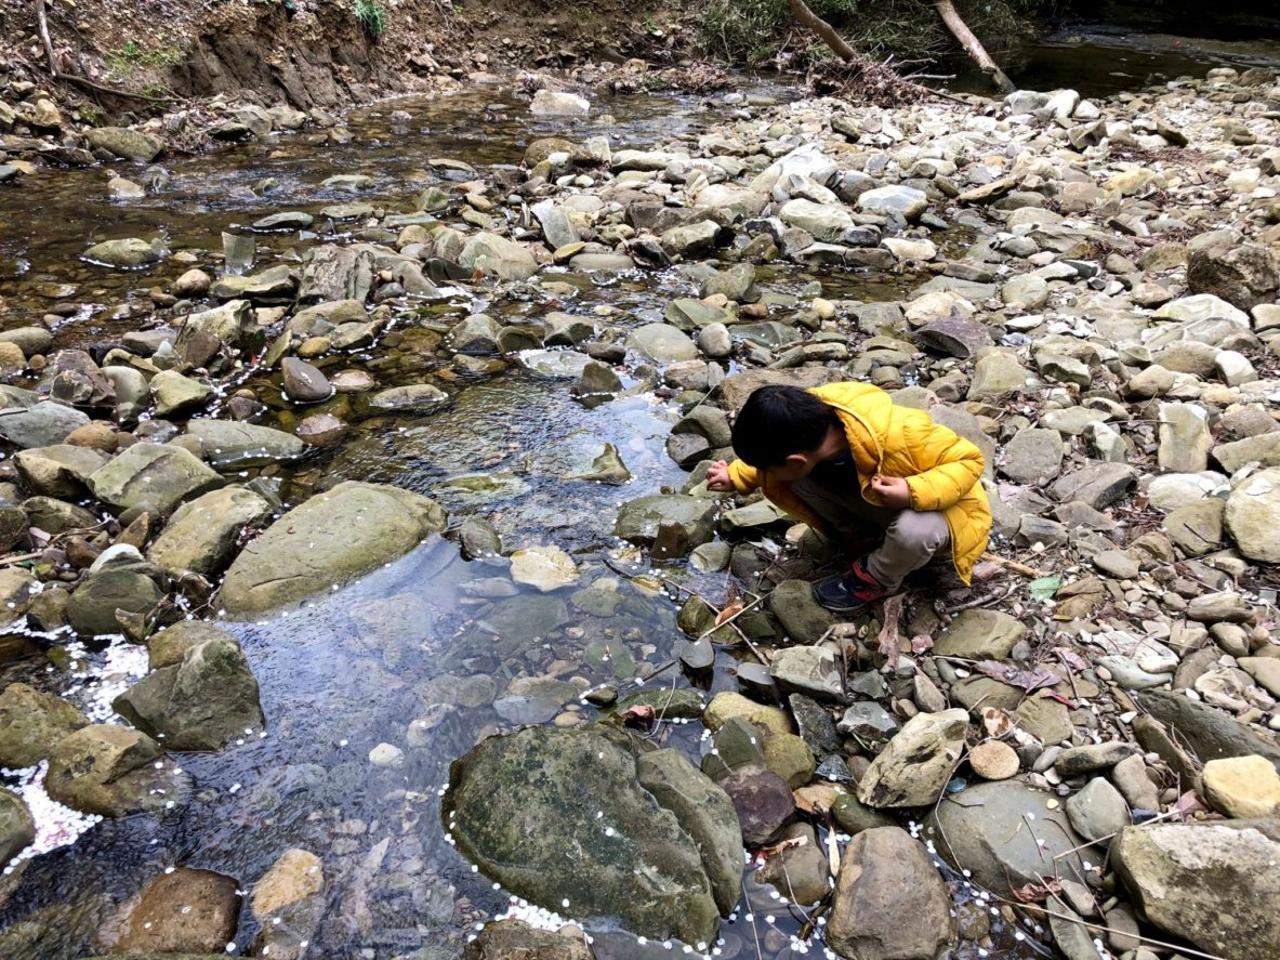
[224, 442]
[1006, 834]
[202, 533]
[1214, 884]
[559, 818]
[333, 537]
[110, 770]
[152, 476]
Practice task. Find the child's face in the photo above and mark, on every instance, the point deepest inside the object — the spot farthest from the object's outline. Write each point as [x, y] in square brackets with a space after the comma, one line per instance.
[799, 465]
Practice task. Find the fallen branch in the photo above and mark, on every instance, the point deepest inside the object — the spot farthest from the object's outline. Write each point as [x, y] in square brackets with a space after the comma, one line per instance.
[1029, 572]
[972, 45]
[807, 18]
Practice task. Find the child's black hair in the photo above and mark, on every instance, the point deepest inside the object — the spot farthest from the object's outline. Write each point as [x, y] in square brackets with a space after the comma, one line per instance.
[777, 421]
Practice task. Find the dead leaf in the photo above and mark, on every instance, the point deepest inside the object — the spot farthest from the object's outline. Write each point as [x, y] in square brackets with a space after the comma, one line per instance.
[1036, 892]
[641, 716]
[997, 722]
[732, 610]
[1071, 658]
[1028, 680]
[1188, 804]
[888, 639]
[764, 853]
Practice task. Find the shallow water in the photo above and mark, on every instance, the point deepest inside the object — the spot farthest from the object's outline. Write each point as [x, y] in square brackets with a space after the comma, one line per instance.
[415, 654]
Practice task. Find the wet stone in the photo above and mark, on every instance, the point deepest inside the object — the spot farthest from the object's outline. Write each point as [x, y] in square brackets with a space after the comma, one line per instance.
[763, 802]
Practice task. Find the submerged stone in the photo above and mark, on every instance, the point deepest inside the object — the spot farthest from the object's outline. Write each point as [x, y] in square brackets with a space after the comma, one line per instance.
[558, 815]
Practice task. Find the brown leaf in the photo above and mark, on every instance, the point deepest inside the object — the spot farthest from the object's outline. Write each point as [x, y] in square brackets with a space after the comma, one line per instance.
[1036, 892]
[641, 716]
[1028, 680]
[732, 610]
[997, 722]
[764, 853]
[1188, 804]
[921, 643]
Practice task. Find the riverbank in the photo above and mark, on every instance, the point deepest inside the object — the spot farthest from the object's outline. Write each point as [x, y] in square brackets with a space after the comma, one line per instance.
[406, 470]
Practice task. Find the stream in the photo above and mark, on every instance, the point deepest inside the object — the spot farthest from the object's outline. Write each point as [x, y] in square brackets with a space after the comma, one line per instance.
[419, 654]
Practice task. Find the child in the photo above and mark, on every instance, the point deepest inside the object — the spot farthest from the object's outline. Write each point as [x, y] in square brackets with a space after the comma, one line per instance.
[844, 456]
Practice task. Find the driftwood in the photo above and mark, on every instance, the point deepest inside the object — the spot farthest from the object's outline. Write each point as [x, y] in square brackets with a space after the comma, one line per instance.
[807, 18]
[972, 45]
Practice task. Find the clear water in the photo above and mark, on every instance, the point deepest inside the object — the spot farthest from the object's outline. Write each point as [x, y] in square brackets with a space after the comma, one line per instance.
[430, 638]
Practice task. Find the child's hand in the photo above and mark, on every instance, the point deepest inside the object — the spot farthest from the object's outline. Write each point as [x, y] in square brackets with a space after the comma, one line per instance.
[892, 491]
[718, 477]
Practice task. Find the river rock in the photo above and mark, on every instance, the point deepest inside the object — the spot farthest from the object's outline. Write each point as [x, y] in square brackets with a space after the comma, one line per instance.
[640, 520]
[497, 256]
[295, 876]
[343, 533]
[902, 201]
[417, 398]
[886, 876]
[1034, 455]
[1098, 811]
[276, 284]
[915, 765]
[202, 703]
[1184, 438]
[1253, 515]
[545, 567]
[1096, 484]
[61, 470]
[126, 143]
[32, 723]
[996, 374]
[120, 585]
[728, 704]
[1209, 732]
[809, 670]
[153, 477]
[131, 253]
[174, 393]
[980, 635]
[1244, 275]
[704, 812]
[763, 801]
[799, 870]
[226, 443]
[184, 911]
[1243, 787]
[984, 829]
[303, 382]
[662, 343]
[109, 770]
[42, 424]
[17, 829]
[804, 619]
[517, 940]
[1207, 883]
[524, 808]
[231, 325]
[559, 103]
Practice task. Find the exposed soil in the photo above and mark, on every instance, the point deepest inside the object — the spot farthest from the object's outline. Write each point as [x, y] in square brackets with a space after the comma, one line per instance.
[312, 53]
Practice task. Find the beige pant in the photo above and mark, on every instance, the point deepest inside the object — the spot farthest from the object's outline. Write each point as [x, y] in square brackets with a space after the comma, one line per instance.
[911, 538]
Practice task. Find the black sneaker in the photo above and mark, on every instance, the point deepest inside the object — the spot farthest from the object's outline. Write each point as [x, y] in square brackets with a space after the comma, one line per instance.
[849, 593]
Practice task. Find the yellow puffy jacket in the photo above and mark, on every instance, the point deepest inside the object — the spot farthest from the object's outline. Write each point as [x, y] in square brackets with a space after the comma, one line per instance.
[941, 468]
